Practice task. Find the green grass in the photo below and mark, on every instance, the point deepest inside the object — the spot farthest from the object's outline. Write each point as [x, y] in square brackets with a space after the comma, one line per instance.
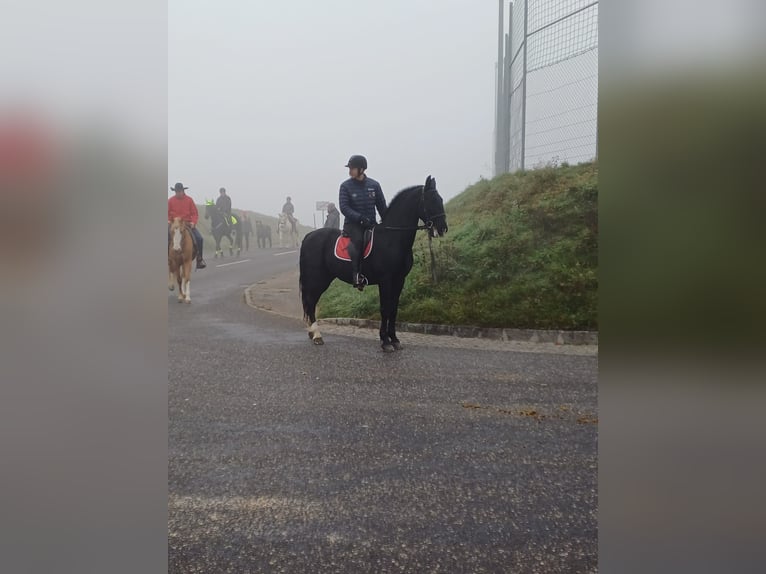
[522, 251]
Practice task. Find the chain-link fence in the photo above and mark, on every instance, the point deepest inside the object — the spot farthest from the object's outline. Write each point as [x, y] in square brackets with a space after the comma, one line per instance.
[549, 97]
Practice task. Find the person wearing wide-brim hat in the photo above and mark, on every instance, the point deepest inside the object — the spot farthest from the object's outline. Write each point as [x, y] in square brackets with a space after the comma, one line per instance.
[183, 206]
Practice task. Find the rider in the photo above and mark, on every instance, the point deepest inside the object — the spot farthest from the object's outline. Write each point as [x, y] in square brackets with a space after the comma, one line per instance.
[333, 217]
[223, 203]
[181, 205]
[358, 198]
[288, 209]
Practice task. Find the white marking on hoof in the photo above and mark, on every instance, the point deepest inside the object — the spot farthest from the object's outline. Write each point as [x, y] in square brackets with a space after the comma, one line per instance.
[315, 335]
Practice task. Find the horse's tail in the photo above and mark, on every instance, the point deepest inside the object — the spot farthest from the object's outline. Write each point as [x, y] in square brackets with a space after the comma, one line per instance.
[303, 264]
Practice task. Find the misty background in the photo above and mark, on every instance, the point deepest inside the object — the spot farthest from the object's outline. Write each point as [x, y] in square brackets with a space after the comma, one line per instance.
[269, 99]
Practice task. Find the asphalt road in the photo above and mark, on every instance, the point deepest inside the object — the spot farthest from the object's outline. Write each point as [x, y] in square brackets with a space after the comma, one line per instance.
[290, 457]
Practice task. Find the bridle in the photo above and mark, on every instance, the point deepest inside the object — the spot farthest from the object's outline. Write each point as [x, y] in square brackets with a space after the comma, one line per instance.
[429, 223]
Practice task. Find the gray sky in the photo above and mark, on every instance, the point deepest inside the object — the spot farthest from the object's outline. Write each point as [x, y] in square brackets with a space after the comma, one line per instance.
[269, 99]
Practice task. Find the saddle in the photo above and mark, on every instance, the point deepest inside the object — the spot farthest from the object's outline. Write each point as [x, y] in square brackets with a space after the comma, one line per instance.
[342, 243]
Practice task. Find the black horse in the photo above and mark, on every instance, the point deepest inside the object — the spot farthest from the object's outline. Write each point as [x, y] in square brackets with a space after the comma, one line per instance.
[262, 233]
[220, 228]
[389, 261]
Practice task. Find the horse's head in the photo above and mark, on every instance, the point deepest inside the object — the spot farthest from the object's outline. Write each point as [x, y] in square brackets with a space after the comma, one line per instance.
[209, 208]
[176, 233]
[433, 209]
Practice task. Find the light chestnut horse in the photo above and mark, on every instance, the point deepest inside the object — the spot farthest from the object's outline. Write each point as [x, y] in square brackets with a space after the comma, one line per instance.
[288, 235]
[180, 257]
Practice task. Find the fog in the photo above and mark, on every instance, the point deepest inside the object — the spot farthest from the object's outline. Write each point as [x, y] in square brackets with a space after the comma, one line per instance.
[269, 99]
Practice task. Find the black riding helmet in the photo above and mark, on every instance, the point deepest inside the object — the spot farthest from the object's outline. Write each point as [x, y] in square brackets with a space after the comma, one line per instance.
[357, 161]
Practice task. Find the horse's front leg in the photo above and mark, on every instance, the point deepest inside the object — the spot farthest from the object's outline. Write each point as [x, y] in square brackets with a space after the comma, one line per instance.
[384, 289]
[180, 281]
[187, 281]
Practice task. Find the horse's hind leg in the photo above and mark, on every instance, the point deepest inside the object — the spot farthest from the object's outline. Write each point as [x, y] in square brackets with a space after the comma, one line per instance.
[310, 300]
[386, 303]
[396, 291]
[310, 297]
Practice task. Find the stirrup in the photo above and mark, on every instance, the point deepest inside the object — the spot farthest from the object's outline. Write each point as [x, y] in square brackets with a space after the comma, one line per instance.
[361, 282]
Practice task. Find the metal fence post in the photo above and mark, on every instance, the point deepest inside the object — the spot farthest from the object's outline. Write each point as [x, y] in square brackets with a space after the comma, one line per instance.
[524, 88]
[499, 94]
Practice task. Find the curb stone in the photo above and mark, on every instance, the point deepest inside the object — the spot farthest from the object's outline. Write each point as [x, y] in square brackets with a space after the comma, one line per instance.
[556, 337]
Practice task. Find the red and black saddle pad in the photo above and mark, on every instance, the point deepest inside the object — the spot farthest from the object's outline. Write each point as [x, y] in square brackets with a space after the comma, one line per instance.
[341, 247]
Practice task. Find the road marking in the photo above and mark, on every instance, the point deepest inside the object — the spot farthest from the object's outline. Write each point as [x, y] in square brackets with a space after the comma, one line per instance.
[286, 252]
[233, 263]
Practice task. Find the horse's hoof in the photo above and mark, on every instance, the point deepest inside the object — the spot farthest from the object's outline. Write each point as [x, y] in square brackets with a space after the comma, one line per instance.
[318, 341]
[172, 287]
[387, 348]
[311, 335]
[397, 345]
[187, 301]
[180, 299]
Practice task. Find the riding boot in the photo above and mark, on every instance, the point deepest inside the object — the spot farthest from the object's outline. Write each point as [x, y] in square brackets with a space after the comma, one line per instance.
[359, 280]
[200, 262]
[356, 278]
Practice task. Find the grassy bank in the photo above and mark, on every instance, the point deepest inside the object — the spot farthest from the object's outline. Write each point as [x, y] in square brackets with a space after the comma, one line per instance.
[522, 251]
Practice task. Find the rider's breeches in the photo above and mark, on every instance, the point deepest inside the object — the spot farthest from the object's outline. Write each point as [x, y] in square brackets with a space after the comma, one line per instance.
[355, 232]
[198, 239]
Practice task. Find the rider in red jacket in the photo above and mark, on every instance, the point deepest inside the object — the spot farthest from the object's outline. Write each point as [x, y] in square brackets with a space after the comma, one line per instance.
[183, 206]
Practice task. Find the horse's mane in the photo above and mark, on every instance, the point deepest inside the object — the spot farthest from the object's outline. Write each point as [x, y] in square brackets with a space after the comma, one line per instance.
[402, 194]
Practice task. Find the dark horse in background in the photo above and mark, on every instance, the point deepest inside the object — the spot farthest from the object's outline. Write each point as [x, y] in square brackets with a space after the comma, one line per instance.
[389, 261]
[262, 233]
[220, 228]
